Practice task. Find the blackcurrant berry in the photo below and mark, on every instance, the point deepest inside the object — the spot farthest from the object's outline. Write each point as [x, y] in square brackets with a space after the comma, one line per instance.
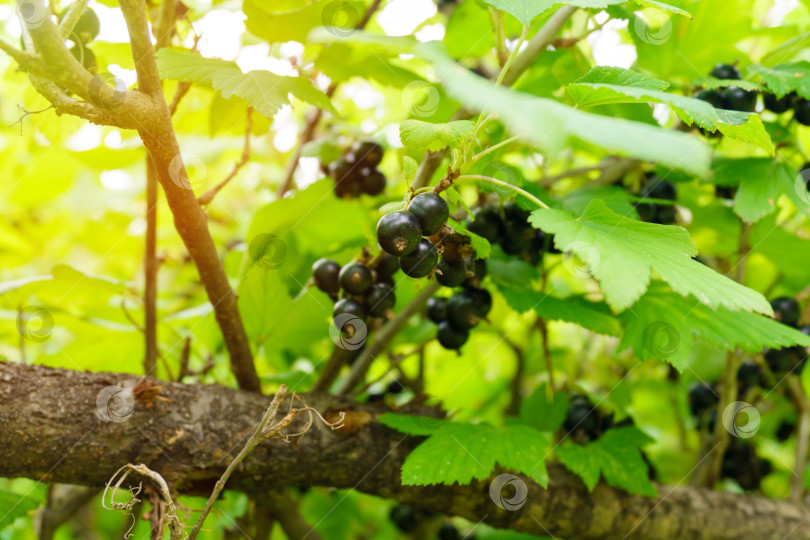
[801, 112]
[421, 262]
[656, 188]
[355, 278]
[785, 430]
[781, 361]
[482, 300]
[437, 309]
[448, 532]
[462, 312]
[372, 182]
[404, 518]
[375, 398]
[712, 97]
[646, 211]
[399, 233]
[394, 387]
[449, 338]
[387, 266]
[747, 375]
[368, 152]
[431, 211]
[786, 310]
[547, 241]
[725, 71]
[487, 223]
[513, 212]
[450, 274]
[83, 54]
[665, 215]
[516, 237]
[737, 99]
[87, 27]
[725, 192]
[479, 273]
[379, 299]
[701, 397]
[582, 417]
[352, 307]
[326, 272]
[780, 105]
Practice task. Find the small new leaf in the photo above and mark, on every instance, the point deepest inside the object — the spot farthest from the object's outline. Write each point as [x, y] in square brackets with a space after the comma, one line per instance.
[426, 136]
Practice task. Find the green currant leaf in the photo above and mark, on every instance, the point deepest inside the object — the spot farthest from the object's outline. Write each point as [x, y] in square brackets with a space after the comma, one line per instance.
[460, 452]
[663, 324]
[14, 505]
[409, 167]
[616, 456]
[621, 253]
[760, 182]
[542, 414]
[426, 136]
[783, 79]
[264, 91]
[604, 86]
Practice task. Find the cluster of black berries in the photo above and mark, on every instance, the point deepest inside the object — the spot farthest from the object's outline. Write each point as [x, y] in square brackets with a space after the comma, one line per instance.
[404, 233]
[732, 98]
[512, 232]
[656, 188]
[789, 359]
[85, 31]
[458, 314]
[408, 519]
[735, 98]
[703, 397]
[741, 463]
[356, 172]
[366, 291]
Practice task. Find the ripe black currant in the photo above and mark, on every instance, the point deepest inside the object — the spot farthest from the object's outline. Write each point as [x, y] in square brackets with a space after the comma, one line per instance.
[786, 310]
[781, 361]
[582, 417]
[431, 211]
[482, 300]
[437, 309]
[785, 430]
[372, 181]
[450, 274]
[405, 518]
[747, 375]
[368, 152]
[375, 398]
[656, 188]
[346, 175]
[711, 97]
[352, 307]
[462, 312]
[448, 532]
[394, 387]
[450, 338]
[379, 299]
[780, 105]
[421, 262]
[725, 192]
[738, 99]
[326, 272]
[801, 112]
[87, 27]
[701, 397]
[399, 233]
[725, 71]
[665, 215]
[83, 54]
[387, 266]
[355, 278]
[487, 223]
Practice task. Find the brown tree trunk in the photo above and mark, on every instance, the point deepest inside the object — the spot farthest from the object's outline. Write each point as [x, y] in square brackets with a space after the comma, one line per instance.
[52, 430]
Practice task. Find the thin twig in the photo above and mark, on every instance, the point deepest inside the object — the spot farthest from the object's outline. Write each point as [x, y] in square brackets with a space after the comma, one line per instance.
[209, 195]
[263, 431]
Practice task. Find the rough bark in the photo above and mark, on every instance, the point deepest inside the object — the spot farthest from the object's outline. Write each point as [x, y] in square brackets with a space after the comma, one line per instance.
[51, 431]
